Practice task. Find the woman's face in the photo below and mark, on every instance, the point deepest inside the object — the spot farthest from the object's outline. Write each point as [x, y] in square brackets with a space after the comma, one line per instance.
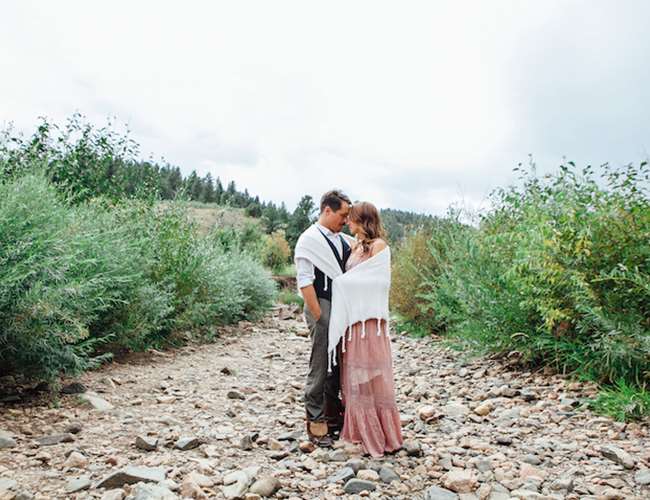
[354, 227]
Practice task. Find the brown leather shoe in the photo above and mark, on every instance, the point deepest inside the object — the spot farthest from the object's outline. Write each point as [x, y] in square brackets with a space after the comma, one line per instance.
[318, 434]
[322, 442]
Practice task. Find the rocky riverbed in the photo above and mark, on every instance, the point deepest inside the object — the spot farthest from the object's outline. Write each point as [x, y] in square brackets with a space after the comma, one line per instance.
[225, 420]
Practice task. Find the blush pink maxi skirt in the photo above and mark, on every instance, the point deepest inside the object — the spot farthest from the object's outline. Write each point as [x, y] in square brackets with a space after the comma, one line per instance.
[371, 414]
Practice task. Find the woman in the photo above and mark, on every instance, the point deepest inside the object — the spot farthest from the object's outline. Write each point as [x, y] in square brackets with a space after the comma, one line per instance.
[371, 414]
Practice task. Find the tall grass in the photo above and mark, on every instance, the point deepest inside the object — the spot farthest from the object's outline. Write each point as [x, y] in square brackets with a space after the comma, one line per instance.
[74, 277]
[558, 270]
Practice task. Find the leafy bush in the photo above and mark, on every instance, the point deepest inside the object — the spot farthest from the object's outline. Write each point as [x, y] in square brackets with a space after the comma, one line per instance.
[276, 251]
[558, 271]
[412, 260]
[418, 261]
[623, 402]
[246, 238]
[290, 297]
[83, 161]
[77, 277]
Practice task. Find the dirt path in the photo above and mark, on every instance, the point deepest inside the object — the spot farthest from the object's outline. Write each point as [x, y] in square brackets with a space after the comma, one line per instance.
[474, 427]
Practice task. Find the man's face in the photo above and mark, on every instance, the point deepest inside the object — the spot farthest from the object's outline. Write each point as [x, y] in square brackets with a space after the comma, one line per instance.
[336, 220]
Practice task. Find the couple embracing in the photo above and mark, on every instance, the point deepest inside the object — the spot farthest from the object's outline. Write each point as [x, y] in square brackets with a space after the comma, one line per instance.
[345, 284]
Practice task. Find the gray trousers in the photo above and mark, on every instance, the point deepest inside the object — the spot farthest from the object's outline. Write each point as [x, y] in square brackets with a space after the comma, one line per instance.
[322, 400]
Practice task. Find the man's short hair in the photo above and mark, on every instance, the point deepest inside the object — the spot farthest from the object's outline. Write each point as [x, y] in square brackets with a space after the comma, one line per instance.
[333, 199]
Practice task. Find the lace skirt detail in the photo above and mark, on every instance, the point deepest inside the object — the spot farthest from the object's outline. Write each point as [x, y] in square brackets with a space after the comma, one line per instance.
[371, 414]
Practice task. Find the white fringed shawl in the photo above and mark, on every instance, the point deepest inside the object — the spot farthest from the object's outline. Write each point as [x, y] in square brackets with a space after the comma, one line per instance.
[312, 246]
[358, 295]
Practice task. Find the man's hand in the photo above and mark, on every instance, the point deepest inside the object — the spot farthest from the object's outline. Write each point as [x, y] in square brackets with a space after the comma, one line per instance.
[311, 301]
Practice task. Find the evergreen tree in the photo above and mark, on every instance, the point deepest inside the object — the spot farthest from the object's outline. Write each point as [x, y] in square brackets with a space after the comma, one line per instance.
[301, 219]
[174, 182]
[218, 192]
[193, 186]
[207, 196]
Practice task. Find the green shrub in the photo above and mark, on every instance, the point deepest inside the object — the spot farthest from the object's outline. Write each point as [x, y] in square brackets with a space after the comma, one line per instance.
[61, 272]
[81, 160]
[79, 280]
[623, 402]
[276, 251]
[558, 271]
[286, 296]
[418, 261]
[247, 238]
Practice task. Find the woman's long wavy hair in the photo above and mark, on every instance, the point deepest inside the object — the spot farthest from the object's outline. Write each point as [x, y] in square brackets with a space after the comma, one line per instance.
[366, 215]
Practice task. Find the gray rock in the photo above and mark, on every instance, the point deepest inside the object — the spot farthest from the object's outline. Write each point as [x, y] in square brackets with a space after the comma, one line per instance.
[233, 394]
[354, 486]
[187, 443]
[528, 396]
[235, 490]
[74, 428]
[7, 484]
[436, 493]
[642, 477]
[531, 459]
[237, 482]
[55, 439]
[455, 410]
[504, 440]
[413, 448]
[279, 455]
[246, 443]
[338, 456]
[388, 475]
[564, 483]
[290, 436]
[6, 440]
[96, 402]
[499, 495]
[151, 492]
[78, 484]
[247, 474]
[373, 465]
[73, 388]
[24, 495]
[132, 475]
[460, 480]
[113, 495]
[146, 443]
[356, 464]
[616, 454]
[446, 462]
[265, 486]
[483, 465]
[343, 475]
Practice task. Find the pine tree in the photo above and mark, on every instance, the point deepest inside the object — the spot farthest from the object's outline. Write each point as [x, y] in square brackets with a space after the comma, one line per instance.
[218, 192]
[301, 219]
[207, 196]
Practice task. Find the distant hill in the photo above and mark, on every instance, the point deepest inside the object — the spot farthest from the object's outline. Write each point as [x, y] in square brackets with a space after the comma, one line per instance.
[399, 222]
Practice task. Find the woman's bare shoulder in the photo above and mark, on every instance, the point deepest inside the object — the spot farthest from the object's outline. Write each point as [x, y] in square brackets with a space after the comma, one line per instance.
[377, 246]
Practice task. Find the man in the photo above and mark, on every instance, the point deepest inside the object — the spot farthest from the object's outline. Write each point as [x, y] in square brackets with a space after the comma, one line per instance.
[321, 254]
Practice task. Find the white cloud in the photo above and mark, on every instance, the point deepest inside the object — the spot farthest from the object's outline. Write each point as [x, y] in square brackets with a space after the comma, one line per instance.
[412, 105]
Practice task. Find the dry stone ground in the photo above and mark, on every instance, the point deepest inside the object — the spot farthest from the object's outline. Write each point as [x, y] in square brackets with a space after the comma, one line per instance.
[225, 420]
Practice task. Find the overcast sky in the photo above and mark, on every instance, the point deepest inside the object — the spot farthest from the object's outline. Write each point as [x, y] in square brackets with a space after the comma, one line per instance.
[412, 105]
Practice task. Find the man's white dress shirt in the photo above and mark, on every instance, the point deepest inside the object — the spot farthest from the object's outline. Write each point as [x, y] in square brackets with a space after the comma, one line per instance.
[305, 268]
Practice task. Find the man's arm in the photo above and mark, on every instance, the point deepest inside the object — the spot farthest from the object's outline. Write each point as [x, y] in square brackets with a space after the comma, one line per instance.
[305, 277]
[311, 301]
